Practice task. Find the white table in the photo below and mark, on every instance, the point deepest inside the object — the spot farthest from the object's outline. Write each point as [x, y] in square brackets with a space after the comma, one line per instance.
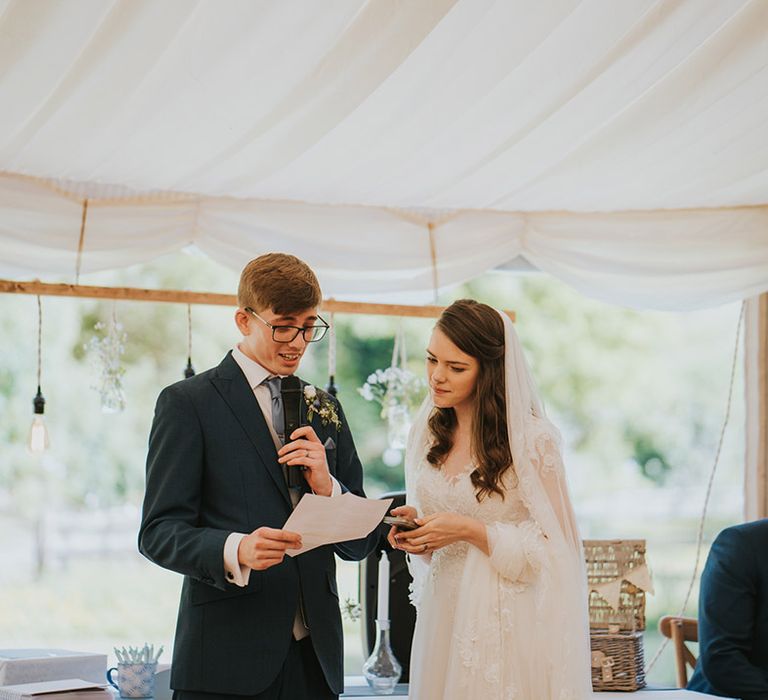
[356, 683]
[670, 694]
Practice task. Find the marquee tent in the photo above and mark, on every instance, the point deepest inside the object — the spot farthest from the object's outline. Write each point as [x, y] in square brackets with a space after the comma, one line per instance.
[394, 144]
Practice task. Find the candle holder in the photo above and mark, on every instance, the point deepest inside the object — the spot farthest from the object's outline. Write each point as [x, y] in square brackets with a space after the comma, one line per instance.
[382, 670]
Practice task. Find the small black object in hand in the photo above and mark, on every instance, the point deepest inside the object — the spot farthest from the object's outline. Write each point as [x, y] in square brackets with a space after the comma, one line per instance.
[400, 522]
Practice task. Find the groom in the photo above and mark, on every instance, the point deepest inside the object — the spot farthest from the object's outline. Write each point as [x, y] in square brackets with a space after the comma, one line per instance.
[252, 622]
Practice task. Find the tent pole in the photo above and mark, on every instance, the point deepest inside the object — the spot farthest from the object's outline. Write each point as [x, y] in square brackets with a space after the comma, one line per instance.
[756, 397]
[184, 297]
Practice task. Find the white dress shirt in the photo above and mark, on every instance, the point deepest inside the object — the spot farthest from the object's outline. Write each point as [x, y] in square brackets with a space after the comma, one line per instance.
[237, 573]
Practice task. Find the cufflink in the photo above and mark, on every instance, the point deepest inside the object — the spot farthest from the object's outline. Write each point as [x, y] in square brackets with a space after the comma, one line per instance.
[230, 575]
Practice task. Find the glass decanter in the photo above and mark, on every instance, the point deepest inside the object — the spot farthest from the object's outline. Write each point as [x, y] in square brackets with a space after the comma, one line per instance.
[382, 670]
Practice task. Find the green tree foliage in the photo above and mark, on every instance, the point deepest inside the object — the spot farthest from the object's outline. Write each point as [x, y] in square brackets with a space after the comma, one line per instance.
[625, 386]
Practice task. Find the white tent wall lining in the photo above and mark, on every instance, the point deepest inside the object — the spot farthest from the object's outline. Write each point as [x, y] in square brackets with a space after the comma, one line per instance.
[663, 260]
[515, 105]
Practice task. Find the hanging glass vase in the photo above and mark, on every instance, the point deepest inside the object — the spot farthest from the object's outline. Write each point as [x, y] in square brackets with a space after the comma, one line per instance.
[107, 352]
[112, 396]
[398, 425]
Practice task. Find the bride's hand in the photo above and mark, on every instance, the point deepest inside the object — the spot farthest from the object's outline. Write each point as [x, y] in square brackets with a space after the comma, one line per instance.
[404, 511]
[436, 531]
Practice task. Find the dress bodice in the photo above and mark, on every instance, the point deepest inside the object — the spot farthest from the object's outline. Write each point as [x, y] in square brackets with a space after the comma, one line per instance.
[437, 493]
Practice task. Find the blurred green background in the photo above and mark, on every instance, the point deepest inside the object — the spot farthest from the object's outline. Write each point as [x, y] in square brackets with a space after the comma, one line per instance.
[639, 396]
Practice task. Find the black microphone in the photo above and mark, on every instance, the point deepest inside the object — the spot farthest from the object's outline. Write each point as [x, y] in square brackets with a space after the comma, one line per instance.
[290, 388]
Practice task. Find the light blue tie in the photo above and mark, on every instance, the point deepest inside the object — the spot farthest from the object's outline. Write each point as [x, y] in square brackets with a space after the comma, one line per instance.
[278, 423]
[278, 420]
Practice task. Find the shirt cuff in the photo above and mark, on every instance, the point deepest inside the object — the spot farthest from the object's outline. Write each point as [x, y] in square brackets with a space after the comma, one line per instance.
[335, 487]
[234, 571]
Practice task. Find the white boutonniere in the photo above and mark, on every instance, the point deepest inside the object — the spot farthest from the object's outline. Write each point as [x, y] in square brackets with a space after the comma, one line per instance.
[322, 405]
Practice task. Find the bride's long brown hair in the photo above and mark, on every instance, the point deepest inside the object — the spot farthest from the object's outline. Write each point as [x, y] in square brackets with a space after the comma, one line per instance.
[477, 330]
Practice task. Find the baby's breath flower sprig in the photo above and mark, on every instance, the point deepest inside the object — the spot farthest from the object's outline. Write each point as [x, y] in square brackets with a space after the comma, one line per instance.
[393, 386]
[106, 351]
[350, 609]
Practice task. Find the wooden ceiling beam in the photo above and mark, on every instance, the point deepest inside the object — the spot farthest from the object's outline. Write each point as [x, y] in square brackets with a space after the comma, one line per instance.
[175, 296]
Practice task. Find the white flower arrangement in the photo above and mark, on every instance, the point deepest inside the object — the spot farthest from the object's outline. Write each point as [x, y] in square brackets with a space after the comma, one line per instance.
[106, 351]
[398, 390]
[393, 386]
[322, 405]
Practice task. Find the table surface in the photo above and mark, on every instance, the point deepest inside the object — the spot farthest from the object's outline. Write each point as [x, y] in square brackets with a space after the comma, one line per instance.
[355, 687]
[656, 694]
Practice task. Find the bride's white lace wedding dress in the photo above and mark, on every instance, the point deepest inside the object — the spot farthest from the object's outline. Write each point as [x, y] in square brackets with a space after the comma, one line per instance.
[450, 660]
[511, 624]
[477, 614]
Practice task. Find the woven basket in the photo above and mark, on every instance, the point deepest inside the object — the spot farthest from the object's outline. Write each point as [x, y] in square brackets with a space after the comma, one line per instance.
[617, 660]
[606, 561]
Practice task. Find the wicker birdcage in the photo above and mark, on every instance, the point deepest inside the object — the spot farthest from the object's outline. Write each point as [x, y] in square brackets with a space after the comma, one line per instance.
[616, 636]
[608, 560]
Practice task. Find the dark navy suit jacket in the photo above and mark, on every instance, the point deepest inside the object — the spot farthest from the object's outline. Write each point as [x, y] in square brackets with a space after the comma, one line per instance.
[733, 615]
[212, 470]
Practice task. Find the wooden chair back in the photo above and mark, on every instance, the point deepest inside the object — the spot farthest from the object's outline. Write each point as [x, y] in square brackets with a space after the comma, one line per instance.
[681, 630]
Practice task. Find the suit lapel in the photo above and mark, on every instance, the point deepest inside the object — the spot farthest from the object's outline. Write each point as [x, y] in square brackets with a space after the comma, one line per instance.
[232, 386]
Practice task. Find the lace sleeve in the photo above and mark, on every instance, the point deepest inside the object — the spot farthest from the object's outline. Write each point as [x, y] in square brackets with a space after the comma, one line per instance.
[418, 564]
[516, 550]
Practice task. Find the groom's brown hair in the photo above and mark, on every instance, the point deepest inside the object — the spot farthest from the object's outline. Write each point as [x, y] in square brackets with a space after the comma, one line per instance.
[279, 282]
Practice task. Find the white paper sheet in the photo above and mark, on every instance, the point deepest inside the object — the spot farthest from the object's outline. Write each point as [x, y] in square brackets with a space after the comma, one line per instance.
[70, 688]
[324, 520]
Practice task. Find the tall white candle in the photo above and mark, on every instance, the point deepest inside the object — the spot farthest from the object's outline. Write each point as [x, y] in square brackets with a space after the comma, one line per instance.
[382, 609]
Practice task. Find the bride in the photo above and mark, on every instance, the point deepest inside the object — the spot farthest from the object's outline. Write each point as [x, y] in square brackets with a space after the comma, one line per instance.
[498, 576]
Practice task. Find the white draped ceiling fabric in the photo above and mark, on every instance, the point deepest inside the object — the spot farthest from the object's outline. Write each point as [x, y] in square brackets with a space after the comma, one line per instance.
[620, 146]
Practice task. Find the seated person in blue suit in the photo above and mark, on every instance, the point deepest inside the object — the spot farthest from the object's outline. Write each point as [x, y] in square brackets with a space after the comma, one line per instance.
[253, 623]
[733, 615]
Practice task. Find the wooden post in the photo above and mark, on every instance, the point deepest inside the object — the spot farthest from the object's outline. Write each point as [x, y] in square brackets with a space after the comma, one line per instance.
[756, 397]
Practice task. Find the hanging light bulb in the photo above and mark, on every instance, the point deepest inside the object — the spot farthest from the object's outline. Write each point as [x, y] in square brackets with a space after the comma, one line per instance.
[37, 441]
[38, 432]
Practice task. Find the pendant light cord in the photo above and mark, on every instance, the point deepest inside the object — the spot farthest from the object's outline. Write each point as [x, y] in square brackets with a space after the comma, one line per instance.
[189, 332]
[39, 340]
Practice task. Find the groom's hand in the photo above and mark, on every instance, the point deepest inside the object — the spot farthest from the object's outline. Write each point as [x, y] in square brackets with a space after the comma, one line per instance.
[306, 450]
[407, 512]
[266, 547]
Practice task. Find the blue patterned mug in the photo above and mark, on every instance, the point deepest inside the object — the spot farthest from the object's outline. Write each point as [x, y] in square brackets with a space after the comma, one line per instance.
[134, 680]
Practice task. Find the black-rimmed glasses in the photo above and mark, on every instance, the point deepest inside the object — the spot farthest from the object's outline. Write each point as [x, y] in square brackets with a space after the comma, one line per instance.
[287, 334]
